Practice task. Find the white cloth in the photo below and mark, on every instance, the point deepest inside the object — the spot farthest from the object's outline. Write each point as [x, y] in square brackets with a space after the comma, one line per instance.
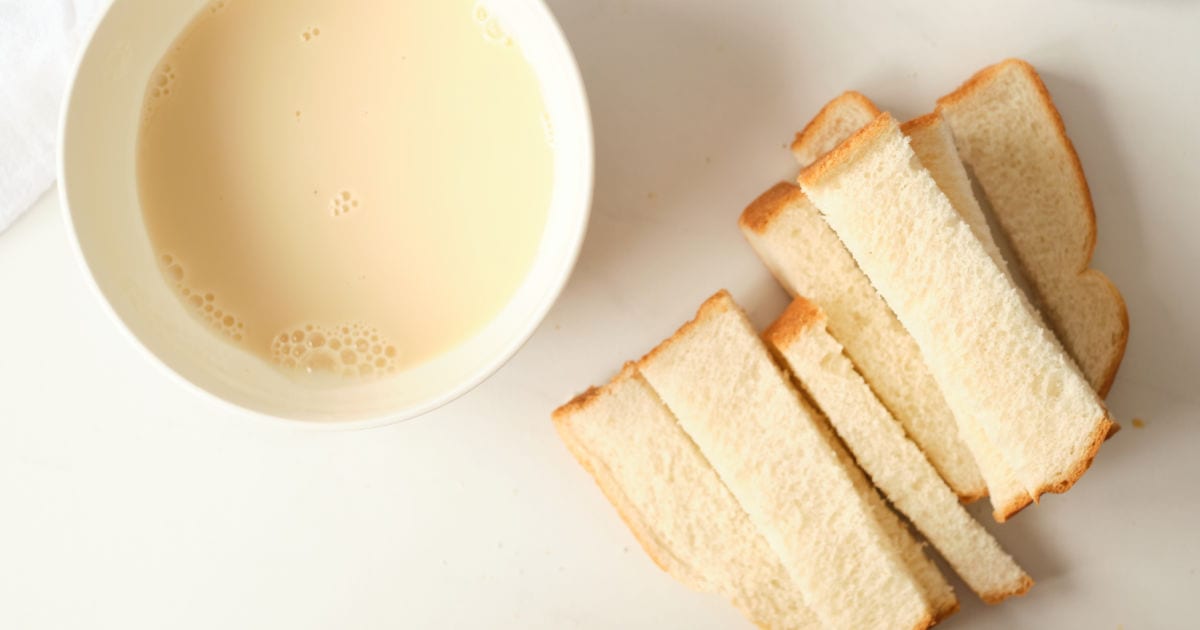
[38, 43]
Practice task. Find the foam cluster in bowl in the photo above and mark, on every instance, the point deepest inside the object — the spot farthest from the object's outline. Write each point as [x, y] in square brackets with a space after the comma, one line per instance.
[347, 349]
[203, 303]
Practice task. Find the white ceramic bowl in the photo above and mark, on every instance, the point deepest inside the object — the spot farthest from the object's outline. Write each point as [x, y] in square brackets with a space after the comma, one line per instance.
[98, 185]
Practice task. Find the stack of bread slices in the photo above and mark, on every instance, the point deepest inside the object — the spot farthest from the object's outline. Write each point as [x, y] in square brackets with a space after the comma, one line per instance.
[918, 368]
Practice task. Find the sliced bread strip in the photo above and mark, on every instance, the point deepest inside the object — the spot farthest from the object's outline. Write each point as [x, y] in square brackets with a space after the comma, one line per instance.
[671, 498]
[991, 356]
[838, 120]
[807, 258]
[885, 453]
[934, 145]
[933, 583]
[775, 455]
[1012, 136]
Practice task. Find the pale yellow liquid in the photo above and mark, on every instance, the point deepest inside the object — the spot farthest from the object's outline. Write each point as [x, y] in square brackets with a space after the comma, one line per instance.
[345, 186]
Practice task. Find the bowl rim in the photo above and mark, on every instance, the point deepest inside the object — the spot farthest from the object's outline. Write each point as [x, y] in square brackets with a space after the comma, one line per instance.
[554, 288]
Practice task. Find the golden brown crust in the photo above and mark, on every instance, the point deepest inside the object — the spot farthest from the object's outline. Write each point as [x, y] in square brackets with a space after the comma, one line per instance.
[582, 401]
[759, 214]
[846, 151]
[931, 620]
[821, 120]
[971, 497]
[1002, 513]
[1076, 471]
[976, 82]
[720, 302]
[921, 122]
[945, 611]
[996, 597]
[798, 317]
[591, 394]
[1121, 342]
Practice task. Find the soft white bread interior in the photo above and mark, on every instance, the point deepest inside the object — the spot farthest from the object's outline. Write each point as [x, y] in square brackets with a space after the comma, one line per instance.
[934, 145]
[1011, 135]
[838, 120]
[674, 502]
[879, 445]
[806, 256]
[992, 357]
[775, 455]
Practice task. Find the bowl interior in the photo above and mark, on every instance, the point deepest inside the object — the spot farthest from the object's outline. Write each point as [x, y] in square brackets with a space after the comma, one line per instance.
[98, 180]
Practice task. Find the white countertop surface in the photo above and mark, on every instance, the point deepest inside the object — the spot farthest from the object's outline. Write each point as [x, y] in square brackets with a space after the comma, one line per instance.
[128, 502]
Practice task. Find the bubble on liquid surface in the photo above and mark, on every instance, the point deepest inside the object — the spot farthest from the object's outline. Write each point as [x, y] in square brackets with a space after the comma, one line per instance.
[162, 82]
[490, 25]
[343, 203]
[203, 304]
[314, 347]
[493, 31]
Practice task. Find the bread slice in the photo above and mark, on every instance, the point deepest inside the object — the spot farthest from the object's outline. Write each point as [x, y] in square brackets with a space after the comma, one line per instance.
[838, 120]
[885, 453]
[933, 143]
[933, 583]
[991, 356]
[671, 498]
[807, 258]
[774, 454]
[1011, 135]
